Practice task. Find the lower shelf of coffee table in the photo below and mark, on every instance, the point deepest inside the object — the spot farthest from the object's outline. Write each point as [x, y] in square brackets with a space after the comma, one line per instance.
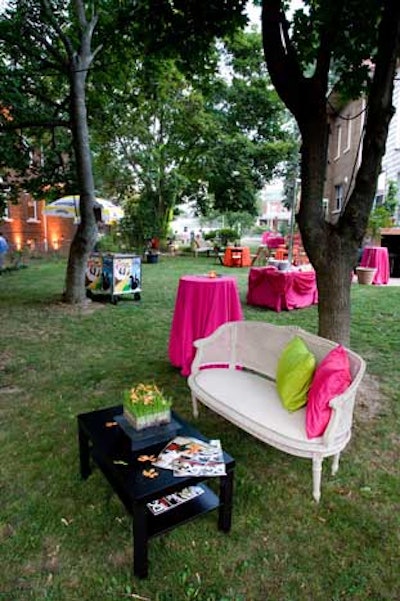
[208, 501]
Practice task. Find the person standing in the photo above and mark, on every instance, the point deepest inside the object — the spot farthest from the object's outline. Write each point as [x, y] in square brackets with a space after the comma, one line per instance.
[3, 250]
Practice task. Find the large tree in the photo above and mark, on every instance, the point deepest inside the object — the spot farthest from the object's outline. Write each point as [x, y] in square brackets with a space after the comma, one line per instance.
[174, 135]
[46, 53]
[146, 141]
[352, 45]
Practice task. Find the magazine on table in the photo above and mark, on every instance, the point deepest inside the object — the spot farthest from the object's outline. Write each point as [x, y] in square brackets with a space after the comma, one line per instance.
[187, 456]
[173, 500]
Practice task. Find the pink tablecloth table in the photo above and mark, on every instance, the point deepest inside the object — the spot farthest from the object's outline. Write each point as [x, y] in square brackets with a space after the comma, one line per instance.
[272, 240]
[202, 304]
[279, 290]
[377, 256]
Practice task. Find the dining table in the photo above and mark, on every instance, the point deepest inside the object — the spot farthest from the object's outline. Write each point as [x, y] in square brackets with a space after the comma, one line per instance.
[272, 240]
[202, 304]
[237, 256]
[377, 257]
[281, 290]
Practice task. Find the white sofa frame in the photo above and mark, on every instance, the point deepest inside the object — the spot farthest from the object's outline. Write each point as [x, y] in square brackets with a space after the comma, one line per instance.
[233, 374]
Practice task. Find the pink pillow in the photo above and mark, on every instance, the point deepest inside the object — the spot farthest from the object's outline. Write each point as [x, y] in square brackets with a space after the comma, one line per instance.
[332, 377]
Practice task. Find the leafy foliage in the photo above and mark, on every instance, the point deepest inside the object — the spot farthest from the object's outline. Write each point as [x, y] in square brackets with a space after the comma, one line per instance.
[171, 137]
[35, 98]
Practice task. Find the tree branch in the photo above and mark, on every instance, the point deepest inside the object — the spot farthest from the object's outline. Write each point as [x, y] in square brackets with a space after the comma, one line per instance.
[280, 57]
[80, 9]
[65, 39]
[13, 126]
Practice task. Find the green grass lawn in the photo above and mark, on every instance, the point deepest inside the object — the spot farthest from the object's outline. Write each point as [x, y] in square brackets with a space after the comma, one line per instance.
[65, 539]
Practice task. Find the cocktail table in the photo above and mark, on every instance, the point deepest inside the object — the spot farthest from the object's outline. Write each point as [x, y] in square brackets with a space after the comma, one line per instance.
[201, 305]
[105, 444]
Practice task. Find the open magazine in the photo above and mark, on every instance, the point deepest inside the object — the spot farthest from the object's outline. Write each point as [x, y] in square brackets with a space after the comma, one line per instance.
[187, 456]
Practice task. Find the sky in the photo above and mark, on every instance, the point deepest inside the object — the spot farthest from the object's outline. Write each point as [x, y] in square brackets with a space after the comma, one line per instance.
[254, 12]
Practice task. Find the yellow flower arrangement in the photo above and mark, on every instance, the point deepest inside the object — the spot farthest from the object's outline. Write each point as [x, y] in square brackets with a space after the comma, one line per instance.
[145, 405]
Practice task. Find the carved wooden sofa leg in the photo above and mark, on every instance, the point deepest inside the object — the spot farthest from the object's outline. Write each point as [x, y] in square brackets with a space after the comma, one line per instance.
[195, 406]
[335, 463]
[317, 470]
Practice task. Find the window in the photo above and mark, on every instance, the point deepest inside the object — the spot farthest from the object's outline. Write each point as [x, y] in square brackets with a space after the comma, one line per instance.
[32, 210]
[380, 190]
[4, 189]
[338, 197]
[325, 207]
[338, 141]
[6, 213]
[348, 134]
[397, 126]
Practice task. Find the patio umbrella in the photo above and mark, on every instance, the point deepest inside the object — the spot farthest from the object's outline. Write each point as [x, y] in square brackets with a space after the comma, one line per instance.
[68, 207]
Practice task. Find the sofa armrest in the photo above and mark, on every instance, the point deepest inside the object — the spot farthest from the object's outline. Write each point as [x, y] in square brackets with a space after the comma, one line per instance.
[217, 349]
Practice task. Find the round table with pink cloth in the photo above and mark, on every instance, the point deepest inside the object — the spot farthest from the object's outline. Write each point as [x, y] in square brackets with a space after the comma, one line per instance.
[378, 257]
[202, 304]
[281, 290]
[272, 240]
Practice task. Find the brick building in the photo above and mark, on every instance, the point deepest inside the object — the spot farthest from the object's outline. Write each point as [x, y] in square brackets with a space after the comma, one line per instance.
[26, 227]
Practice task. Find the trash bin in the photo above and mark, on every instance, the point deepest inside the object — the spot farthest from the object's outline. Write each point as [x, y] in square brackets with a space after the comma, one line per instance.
[114, 275]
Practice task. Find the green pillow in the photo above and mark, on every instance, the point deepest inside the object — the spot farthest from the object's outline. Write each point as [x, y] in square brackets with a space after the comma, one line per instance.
[296, 367]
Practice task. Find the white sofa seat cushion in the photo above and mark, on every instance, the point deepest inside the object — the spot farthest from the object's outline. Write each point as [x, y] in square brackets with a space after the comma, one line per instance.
[253, 403]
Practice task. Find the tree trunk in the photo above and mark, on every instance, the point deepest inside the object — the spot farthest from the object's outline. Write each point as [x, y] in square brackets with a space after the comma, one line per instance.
[86, 234]
[334, 276]
[334, 303]
[331, 249]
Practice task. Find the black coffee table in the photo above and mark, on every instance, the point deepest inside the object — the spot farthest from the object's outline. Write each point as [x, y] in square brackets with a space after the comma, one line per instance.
[109, 448]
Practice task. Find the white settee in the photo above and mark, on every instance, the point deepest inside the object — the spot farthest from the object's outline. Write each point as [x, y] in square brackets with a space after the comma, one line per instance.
[233, 373]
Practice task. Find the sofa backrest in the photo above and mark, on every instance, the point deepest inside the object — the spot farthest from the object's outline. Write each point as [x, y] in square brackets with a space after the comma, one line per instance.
[256, 345]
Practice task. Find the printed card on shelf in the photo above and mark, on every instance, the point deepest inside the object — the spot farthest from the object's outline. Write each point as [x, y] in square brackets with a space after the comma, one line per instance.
[173, 500]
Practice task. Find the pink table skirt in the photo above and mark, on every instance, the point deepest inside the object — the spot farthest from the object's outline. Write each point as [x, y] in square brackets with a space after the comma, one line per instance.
[279, 290]
[377, 256]
[272, 240]
[202, 304]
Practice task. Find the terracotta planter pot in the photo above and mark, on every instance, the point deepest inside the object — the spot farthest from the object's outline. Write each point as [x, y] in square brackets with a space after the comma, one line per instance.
[365, 275]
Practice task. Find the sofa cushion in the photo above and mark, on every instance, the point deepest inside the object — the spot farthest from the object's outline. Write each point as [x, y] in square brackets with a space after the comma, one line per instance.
[332, 377]
[251, 402]
[296, 366]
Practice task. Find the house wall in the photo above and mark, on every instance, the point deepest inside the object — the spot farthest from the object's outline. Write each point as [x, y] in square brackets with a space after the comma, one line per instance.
[391, 160]
[26, 227]
[344, 148]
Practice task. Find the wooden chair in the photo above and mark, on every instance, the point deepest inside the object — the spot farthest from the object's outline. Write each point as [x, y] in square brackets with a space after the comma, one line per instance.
[262, 255]
[236, 258]
[281, 253]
